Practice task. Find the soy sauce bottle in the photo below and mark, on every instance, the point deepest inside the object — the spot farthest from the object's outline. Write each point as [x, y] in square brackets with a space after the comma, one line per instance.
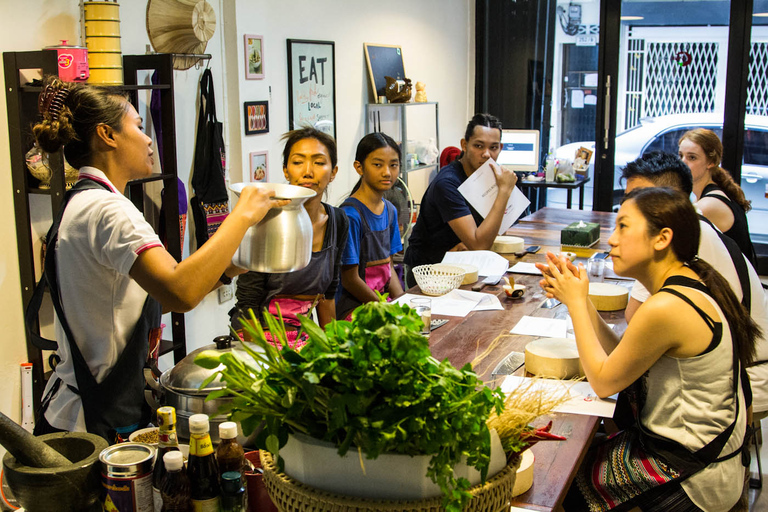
[167, 442]
[175, 488]
[229, 454]
[201, 467]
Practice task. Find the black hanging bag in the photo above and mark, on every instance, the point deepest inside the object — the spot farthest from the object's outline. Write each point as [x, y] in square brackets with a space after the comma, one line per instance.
[210, 203]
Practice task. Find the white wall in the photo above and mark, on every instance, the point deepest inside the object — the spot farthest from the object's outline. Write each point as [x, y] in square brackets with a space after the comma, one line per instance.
[437, 38]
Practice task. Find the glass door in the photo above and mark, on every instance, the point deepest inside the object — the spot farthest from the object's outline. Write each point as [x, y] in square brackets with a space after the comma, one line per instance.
[754, 169]
[671, 76]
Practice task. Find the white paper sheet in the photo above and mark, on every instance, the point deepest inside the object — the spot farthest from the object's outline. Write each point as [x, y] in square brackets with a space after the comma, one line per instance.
[486, 301]
[521, 267]
[590, 80]
[480, 191]
[540, 326]
[583, 399]
[488, 263]
[448, 305]
[590, 99]
[577, 98]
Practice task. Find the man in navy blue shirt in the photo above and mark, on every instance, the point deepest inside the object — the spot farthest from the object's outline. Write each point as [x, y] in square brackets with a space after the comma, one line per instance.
[446, 221]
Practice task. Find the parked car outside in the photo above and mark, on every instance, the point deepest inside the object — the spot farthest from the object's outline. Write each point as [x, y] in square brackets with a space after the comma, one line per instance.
[663, 133]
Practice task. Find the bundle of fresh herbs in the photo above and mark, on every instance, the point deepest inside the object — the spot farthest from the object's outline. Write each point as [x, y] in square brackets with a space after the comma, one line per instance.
[370, 384]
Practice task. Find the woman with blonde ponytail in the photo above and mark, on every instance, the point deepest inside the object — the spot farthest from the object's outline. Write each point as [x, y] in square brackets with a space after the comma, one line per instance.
[679, 363]
[719, 198]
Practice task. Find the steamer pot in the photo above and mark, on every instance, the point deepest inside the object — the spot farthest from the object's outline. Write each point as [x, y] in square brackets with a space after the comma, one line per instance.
[179, 387]
[282, 241]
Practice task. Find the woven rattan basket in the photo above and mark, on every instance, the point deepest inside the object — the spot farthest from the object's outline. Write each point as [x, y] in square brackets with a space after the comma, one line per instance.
[290, 495]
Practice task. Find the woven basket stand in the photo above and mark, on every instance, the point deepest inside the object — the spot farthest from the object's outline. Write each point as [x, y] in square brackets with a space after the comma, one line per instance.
[289, 495]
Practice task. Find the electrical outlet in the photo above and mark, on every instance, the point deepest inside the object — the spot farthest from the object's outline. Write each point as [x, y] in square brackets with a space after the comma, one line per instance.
[225, 293]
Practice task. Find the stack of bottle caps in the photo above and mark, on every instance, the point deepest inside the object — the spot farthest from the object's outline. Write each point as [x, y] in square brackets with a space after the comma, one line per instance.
[102, 37]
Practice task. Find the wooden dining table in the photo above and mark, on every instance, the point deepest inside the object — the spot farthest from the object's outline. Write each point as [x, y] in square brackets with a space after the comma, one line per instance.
[462, 339]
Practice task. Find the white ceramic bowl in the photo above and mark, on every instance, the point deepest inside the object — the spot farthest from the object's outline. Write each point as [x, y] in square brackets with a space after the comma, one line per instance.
[134, 437]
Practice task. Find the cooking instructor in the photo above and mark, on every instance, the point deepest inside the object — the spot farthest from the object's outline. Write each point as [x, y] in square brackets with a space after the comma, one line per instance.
[107, 266]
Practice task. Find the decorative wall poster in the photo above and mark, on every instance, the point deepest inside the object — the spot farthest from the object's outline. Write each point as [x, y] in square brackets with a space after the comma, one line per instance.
[258, 166]
[256, 117]
[254, 57]
[312, 85]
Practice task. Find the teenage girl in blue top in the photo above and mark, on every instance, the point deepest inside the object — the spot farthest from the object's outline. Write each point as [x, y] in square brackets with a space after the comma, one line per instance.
[374, 236]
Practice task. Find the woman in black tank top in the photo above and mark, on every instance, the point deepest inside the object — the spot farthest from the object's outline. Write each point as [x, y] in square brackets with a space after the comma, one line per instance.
[720, 199]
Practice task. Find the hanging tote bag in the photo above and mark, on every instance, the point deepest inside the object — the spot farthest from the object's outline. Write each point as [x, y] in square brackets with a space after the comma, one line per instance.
[210, 204]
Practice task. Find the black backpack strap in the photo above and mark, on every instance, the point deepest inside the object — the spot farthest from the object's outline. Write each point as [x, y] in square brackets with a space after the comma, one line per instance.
[49, 278]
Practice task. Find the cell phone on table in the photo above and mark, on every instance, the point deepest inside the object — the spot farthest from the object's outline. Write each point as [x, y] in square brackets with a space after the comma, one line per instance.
[533, 249]
[599, 256]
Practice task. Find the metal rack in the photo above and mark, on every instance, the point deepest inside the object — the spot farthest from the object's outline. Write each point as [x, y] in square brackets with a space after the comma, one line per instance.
[392, 119]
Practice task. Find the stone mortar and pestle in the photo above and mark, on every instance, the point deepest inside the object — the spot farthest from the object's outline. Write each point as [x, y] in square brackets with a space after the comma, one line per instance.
[52, 472]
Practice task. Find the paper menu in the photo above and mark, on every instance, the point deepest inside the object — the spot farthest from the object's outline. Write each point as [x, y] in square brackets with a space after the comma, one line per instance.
[523, 267]
[488, 263]
[486, 301]
[480, 191]
[541, 326]
[448, 305]
[582, 399]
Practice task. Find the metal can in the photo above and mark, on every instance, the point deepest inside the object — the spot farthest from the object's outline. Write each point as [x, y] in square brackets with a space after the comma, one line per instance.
[126, 475]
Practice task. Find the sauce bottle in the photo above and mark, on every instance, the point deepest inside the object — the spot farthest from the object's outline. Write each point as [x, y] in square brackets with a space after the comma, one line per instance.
[229, 453]
[167, 442]
[175, 488]
[201, 467]
[232, 492]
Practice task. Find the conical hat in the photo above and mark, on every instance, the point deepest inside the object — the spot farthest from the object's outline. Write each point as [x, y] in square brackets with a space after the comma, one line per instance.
[180, 26]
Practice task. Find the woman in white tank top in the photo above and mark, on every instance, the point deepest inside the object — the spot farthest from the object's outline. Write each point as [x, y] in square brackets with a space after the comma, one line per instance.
[679, 364]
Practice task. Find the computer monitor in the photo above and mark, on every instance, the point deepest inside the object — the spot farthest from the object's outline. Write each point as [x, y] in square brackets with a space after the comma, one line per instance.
[519, 150]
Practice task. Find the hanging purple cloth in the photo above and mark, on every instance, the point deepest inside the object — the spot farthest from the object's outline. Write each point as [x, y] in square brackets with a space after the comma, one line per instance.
[157, 118]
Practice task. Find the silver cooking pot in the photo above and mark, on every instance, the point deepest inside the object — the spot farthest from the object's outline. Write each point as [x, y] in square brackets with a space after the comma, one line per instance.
[180, 387]
[282, 240]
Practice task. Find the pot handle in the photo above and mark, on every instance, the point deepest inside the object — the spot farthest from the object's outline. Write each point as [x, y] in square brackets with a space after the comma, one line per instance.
[151, 380]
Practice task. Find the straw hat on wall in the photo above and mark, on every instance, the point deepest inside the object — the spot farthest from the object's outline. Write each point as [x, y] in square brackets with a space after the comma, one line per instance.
[180, 26]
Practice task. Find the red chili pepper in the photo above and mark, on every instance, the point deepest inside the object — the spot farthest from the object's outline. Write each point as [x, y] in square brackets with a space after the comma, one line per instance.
[542, 434]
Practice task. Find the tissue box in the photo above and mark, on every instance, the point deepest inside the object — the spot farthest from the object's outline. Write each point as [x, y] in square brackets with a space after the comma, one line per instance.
[580, 234]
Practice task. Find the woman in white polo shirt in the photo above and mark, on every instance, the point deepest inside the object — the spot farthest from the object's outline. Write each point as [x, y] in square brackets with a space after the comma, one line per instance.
[108, 271]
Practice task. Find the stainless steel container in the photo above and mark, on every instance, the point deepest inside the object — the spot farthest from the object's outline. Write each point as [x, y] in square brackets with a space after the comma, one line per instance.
[282, 241]
[180, 387]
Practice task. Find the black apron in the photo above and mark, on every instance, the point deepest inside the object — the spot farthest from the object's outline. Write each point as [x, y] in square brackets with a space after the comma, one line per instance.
[297, 292]
[374, 250]
[115, 406]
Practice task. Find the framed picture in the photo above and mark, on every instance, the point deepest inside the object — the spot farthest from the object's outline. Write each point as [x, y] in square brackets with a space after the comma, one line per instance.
[382, 60]
[312, 85]
[258, 166]
[254, 57]
[256, 117]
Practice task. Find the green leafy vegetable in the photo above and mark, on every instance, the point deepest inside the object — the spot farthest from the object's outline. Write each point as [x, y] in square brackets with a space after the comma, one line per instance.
[371, 384]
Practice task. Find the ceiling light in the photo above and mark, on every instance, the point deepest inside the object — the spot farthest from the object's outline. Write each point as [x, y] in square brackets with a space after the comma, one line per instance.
[632, 18]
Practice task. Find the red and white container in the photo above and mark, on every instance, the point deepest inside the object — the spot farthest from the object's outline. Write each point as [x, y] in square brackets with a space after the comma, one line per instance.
[72, 60]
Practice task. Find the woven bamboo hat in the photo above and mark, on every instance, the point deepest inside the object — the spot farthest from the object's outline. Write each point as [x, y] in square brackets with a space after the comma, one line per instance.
[180, 26]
